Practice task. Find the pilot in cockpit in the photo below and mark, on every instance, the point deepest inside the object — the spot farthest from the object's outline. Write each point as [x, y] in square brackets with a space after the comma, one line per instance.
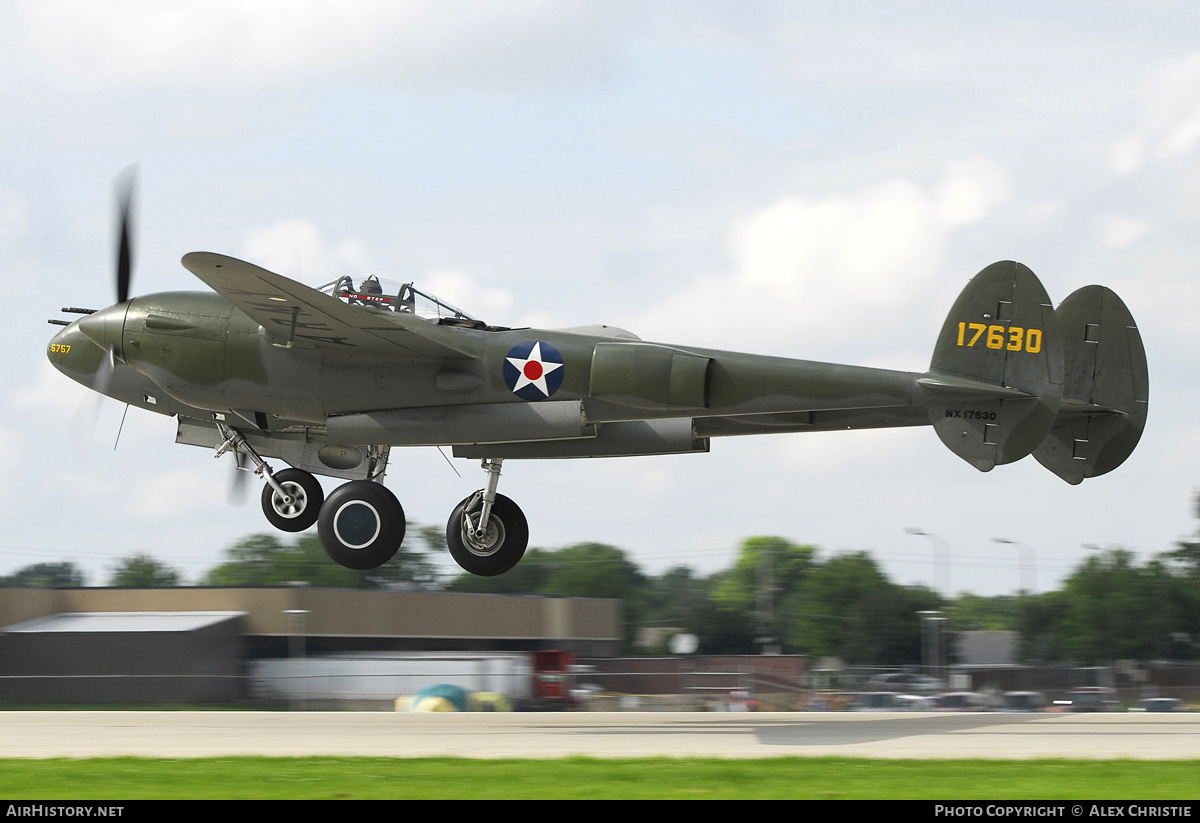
[369, 287]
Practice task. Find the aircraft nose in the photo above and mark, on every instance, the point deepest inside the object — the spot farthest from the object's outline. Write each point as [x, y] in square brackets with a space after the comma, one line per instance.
[75, 355]
[105, 327]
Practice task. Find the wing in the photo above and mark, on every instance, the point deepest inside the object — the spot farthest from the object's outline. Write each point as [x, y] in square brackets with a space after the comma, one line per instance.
[297, 315]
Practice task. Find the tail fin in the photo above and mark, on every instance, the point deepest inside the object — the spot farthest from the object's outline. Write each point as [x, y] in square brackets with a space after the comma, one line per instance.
[996, 379]
[1106, 390]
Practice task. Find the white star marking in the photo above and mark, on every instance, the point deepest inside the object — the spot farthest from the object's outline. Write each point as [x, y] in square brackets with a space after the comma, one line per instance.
[533, 370]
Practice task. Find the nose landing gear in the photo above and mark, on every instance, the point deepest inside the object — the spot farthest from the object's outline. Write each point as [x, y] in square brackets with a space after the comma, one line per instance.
[292, 498]
[297, 507]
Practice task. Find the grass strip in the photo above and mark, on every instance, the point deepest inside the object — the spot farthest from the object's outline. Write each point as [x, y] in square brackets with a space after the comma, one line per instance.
[327, 778]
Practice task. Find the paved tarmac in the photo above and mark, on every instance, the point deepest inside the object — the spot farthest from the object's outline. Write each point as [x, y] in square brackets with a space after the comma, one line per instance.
[599, 734]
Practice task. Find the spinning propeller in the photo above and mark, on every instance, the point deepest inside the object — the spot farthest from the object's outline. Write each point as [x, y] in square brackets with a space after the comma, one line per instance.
[124, 271]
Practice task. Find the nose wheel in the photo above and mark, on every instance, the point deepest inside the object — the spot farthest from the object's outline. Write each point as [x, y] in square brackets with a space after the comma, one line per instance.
[297, 505]
[292, 498]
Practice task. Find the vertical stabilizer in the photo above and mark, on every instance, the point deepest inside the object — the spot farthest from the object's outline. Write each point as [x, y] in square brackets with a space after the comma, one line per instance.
[995, 381]
[1106, 390]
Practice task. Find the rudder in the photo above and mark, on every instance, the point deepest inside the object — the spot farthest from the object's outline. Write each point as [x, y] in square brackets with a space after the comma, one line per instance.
[996, 378]
[1106, 388]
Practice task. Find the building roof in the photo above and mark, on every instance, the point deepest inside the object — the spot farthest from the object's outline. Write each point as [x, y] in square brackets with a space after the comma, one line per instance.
[76, 622]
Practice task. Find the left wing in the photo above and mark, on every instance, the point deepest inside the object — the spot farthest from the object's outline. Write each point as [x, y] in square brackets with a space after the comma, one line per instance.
[297, 315]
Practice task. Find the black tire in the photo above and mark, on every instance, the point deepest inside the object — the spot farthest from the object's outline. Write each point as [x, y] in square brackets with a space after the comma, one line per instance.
[501, 548]
[307, 497]
[361, 525]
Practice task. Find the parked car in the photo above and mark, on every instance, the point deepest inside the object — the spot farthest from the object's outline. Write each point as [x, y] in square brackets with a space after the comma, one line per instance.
[1159, 704]
[906, 682]
[1092, 699]
[1022, 702]
[890, 702]
[962, 702]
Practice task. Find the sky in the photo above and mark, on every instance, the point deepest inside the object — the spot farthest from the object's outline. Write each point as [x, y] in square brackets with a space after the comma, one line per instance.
[816, 181]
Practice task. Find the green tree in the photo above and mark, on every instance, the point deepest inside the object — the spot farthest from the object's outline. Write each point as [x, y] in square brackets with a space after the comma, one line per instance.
[265, 560]
[722, 629]
[1186, 554]
[972, 612]
[763, 561]
[582, 570]
[527, 577]
[765, 583]
[64, 575]
[849, 609]
[1041, 628]
[141, 571]
[1116, 610]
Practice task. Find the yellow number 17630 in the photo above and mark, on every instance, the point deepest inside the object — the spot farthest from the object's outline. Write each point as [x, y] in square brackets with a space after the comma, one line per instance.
[1013, 338]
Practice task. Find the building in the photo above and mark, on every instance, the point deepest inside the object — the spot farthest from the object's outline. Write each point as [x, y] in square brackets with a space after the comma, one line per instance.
[195, 645]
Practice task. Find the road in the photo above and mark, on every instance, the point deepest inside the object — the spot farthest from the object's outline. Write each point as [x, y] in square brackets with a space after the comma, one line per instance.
[599, 734]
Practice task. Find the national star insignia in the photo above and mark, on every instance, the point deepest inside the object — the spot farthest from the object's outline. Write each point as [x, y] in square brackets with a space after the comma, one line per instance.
[534, 369]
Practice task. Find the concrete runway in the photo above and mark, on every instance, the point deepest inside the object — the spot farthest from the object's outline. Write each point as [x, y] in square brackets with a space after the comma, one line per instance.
[599, 734]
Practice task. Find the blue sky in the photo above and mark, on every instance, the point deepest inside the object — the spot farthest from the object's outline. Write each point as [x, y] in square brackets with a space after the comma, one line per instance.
[804, 180]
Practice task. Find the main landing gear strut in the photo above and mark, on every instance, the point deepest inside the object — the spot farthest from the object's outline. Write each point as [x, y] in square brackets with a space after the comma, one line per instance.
[361, 524]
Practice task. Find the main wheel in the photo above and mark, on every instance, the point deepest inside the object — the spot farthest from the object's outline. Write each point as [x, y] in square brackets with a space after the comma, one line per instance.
[502, 544]
[302, 505]
[361, 525]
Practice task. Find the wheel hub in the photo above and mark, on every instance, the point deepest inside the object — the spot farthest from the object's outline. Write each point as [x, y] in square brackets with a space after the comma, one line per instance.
[291, 504]
[357, 523]
[486, 544]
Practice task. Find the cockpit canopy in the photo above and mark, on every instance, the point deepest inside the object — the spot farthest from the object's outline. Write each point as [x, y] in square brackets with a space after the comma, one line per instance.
[380, 294]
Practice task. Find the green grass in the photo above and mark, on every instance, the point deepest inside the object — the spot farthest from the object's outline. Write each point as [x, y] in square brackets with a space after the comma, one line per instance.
[326, 778]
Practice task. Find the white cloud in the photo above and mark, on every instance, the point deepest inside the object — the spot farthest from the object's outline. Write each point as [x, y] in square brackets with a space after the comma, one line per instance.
[178, 494]
[8, 464]
[296, 249]
[1121, 231]
[815, 454]
[460, 289]
[819, 263]
[50, 395]
[12, 216]
[970, 190]
[224, 44]
[290, 247]
[1171, 122]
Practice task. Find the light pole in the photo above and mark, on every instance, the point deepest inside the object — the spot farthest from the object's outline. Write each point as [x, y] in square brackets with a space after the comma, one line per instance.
[931, 641]
[296, 652]
[1028, 571]
[938, 543]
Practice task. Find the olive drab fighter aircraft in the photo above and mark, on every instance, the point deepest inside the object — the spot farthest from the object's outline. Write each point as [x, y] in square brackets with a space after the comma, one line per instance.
[328, 380]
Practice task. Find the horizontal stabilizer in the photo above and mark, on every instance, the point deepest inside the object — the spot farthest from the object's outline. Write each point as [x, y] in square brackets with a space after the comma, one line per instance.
[1105, 391]
[994, 385]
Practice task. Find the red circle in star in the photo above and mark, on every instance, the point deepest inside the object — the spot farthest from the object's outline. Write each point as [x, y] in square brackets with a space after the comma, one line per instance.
[533, 370]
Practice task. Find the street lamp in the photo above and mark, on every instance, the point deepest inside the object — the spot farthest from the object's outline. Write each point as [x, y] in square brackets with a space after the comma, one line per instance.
[931, 641]
[1028, 571]
[296, 651]
[938, 543]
